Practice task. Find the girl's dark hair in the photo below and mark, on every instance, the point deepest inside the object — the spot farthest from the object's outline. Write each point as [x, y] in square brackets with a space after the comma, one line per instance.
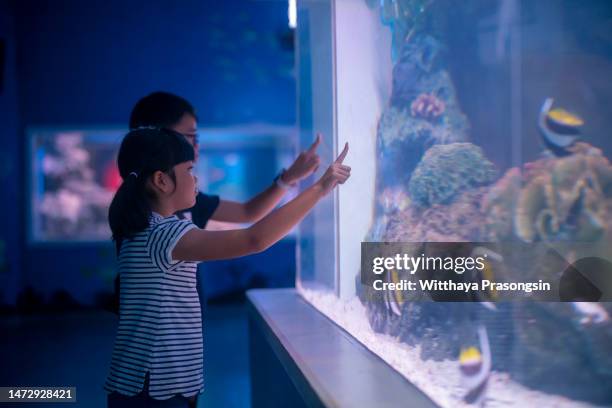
[160, 109]
[142, 153]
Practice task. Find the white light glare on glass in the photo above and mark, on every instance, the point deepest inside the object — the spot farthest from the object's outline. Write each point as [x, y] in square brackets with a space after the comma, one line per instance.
[292, 13]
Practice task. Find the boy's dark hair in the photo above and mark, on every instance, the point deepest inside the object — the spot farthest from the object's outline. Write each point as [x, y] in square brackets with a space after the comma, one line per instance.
[160, 109]
[142, 153]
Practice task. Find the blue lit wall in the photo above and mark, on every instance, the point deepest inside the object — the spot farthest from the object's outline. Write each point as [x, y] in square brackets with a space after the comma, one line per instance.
[89, 61]
[11, 169]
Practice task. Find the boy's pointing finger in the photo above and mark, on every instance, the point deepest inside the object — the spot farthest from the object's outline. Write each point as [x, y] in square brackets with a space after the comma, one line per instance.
[315, 144]
[342, 155]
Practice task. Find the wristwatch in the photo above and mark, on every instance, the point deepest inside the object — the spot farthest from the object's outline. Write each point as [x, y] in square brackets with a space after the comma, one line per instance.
[279, 181]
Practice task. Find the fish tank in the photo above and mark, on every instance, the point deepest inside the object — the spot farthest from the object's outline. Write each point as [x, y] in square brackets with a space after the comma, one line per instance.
[73, 177]
[230, 156]
[478, 132]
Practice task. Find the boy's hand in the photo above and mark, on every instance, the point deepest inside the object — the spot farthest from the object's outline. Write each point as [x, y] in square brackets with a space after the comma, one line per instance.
[306, 163]
[337, 173]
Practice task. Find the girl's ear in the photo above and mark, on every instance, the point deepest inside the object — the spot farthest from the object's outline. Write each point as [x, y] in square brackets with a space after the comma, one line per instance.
[161, 182]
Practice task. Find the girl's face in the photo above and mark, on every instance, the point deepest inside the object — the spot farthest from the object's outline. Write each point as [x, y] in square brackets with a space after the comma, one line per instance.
[185, 191]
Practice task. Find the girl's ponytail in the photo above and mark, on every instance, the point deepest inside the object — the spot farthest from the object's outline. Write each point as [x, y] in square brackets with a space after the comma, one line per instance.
[129, 211]
[143, 152]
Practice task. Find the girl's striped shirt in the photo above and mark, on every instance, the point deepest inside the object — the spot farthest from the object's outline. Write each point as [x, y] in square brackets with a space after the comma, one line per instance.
[160, 326]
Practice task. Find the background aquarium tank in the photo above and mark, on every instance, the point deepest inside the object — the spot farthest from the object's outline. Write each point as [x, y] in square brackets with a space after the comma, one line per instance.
[480, 121]
[238, 162]
[73, 177]
[73, 174]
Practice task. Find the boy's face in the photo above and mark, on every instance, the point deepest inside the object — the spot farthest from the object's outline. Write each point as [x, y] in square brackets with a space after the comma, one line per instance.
[188, 127]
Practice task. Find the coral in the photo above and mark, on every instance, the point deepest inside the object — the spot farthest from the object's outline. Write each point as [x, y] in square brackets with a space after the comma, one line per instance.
[73, 202]
[402, 140]
[552, 199]
[561, 202]
[397, 125]
[566, 198]
[393, 199]
[535, 215]
[462, 220]
[427, 106]
[448, 170]
[498, 205]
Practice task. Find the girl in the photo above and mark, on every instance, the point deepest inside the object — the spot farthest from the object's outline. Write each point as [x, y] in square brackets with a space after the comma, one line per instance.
[157, 358]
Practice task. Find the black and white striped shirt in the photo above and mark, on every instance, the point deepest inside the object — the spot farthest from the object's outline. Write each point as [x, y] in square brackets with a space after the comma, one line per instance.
[160, 325]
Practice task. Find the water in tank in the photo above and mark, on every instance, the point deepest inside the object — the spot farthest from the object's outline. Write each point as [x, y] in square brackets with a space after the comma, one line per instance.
[481, 121]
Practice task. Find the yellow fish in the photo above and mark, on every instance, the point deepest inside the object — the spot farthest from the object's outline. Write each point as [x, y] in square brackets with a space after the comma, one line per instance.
[475, 366]
[399, 296]
[565, 118]
[469, 356]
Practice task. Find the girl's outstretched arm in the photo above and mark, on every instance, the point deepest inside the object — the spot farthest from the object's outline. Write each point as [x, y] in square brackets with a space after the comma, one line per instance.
[201, 245]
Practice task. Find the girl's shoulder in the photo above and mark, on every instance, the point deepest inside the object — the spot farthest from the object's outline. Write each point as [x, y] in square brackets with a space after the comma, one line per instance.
[163, 235]
[167, 227]
[162, 232]
[156, 218]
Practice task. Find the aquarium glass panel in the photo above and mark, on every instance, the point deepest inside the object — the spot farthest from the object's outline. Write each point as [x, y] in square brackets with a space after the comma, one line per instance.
[316, 252]
[479, 131]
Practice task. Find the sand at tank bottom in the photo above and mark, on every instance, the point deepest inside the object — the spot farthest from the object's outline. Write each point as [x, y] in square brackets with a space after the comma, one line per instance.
[440, 380]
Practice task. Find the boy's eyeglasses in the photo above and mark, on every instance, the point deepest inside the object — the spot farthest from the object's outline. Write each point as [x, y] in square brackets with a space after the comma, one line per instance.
[193, 138]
